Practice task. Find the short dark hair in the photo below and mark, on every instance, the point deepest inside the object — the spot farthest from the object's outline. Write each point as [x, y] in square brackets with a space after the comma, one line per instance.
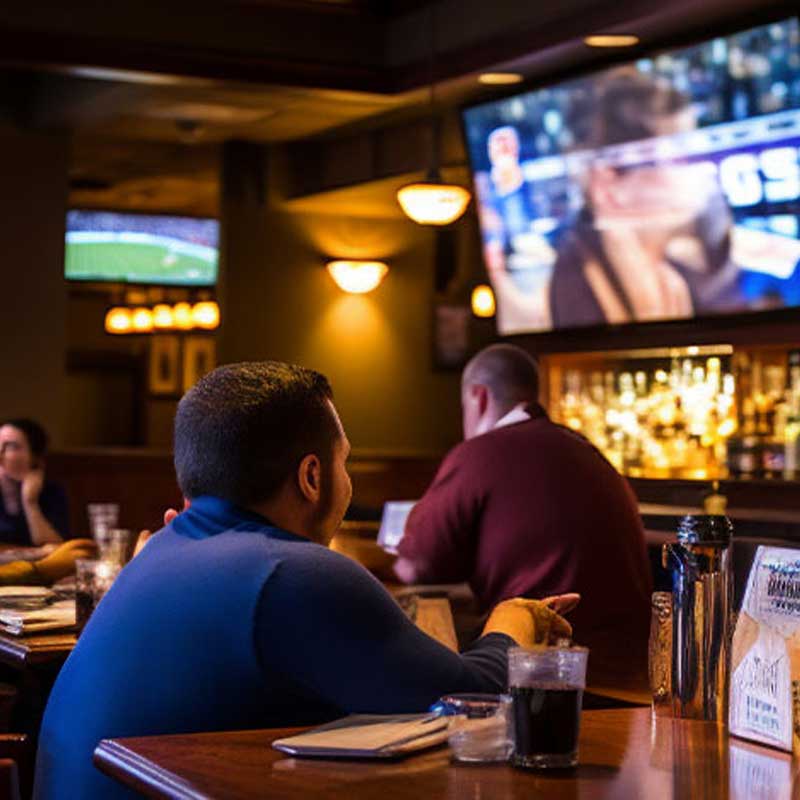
[243, 429]
[510, 373]
[630, 105]
[34, 433]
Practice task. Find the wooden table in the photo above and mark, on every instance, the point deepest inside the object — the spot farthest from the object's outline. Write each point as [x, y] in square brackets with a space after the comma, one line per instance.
[624, 754]
[20, 652]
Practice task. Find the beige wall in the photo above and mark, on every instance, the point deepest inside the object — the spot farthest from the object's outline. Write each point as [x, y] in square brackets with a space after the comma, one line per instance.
[279, 302]
[33, 298]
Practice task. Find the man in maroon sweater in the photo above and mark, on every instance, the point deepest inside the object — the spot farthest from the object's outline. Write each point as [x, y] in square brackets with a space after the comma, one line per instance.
[525, 507]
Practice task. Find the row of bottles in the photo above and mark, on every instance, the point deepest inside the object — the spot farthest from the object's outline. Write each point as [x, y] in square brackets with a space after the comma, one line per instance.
[690, 416]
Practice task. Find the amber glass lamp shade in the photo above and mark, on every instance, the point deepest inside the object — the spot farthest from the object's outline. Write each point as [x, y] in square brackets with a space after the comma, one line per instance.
[357, 277]
[432, 201]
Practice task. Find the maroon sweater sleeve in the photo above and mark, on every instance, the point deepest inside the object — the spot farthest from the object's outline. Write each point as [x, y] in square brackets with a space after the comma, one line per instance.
[441, 531]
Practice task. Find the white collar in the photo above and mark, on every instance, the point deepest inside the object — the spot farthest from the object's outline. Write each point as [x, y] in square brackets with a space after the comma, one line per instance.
[517, 414]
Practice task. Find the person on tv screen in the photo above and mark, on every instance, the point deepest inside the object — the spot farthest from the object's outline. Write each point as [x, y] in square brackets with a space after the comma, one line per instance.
[653, 240]
[33, 510]
[654, 236]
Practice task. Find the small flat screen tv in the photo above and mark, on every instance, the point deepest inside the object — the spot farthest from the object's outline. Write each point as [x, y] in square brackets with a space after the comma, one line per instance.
[141, 248]
[664, 188]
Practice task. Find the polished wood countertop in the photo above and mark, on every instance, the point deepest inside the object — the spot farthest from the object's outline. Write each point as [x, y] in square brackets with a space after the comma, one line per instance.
[624, 753]
[20, 652]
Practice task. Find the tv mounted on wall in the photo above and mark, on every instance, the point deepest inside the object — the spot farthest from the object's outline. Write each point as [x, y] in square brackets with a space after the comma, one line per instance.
[141, 248]
[664, 188]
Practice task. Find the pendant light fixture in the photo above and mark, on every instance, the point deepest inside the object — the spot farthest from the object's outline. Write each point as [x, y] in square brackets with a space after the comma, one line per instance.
[432, 201]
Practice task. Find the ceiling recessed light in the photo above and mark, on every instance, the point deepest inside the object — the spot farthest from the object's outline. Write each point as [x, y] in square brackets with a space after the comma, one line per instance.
[612, 40]
[499, 78]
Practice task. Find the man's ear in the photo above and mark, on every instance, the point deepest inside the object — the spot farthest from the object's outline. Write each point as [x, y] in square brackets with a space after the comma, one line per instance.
[480, 394]
[309, 474]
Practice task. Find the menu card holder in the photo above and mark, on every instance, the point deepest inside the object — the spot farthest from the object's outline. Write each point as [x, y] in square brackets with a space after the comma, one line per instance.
[368, 736]
[765, 663]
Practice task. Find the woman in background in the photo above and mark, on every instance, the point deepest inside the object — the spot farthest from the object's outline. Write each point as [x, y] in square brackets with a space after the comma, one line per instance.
[33, 511]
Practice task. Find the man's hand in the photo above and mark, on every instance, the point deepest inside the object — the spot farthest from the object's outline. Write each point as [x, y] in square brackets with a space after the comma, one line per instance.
[145, 535]
[61, 562]
[32, 485]
[530, 622]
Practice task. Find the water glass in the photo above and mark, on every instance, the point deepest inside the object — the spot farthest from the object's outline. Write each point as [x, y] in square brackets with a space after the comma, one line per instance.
[480, 729]
[113, 545]
[102, 517]
[546, 686]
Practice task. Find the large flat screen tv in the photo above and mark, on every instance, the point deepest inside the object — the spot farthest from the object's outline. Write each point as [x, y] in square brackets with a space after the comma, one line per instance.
[141, 248]
[664, 188]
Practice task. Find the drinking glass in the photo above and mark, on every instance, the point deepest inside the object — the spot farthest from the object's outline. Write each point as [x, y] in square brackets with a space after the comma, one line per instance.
[93, 578]
[113, 545]
[546, 686]
[480, 731]
[102, 517]
[659, 655]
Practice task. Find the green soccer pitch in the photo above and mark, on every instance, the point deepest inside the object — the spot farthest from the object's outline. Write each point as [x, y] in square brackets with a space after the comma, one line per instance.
[136, 263]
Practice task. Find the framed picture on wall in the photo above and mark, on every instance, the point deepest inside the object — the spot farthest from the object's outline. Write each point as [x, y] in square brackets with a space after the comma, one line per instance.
[199, 358]
[164, 367]
[451, 335]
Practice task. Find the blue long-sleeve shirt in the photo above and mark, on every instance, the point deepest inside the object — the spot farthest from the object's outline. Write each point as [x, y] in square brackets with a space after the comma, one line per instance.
[224, 622]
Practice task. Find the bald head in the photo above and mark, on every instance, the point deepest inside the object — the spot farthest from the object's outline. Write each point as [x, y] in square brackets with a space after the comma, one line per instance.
[493, 382]
[509, 372]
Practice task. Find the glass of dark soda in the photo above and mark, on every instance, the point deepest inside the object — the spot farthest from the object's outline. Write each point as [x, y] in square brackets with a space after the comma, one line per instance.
[93, 578]
[546, 686]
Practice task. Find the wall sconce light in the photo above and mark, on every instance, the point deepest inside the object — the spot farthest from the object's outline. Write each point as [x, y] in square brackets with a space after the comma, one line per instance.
[357, 277]
[118, 320]
[483, 304]
[163, 317]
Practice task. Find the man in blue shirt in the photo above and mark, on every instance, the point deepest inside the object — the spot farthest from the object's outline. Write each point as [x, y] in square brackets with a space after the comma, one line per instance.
[236, 615]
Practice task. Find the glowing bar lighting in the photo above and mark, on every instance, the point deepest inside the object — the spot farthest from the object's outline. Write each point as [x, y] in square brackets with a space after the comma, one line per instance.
[206, 315]
[182, 316]
[162, 316]
[499, 78]
[611, 40]
[118, 320]
[142, 320]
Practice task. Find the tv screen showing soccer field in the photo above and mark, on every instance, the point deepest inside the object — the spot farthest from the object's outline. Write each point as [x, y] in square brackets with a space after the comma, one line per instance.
[141, 248]
[664, 188]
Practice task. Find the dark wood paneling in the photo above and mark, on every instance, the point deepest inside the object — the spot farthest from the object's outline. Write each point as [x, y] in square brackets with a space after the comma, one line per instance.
[750, 329]
[142, 482]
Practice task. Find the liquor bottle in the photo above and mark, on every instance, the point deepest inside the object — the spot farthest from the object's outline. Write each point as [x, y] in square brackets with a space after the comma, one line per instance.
[791, 431]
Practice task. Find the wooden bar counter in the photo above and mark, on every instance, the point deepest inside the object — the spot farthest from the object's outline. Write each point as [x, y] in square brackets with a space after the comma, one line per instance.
[624, 753]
